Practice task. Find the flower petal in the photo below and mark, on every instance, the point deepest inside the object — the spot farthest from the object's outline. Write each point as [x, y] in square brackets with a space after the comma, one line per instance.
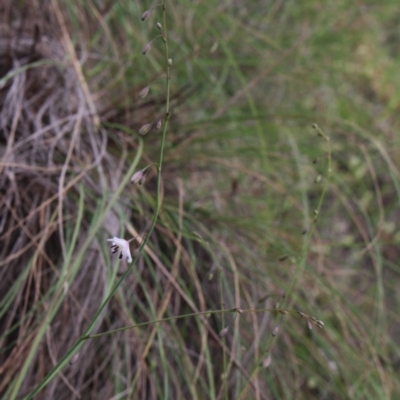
[122, 246]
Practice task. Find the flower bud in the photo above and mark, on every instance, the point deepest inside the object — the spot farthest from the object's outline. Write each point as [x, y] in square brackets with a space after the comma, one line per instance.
[224, 332]
[169, 61]
[159, 26]
[319, 323]
[74, 359]
[139, 176]
[144, 129]
[275, 331]
[318, 179]
[302, 315]
[146, 49]
[267, 361]
[144, 92]
[158, 124]
[146, 15]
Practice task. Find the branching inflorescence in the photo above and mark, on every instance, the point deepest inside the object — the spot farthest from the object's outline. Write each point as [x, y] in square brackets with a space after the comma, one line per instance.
[120, 246]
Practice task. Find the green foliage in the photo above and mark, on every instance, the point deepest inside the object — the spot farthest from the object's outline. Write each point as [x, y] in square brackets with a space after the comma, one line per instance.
[243, 174]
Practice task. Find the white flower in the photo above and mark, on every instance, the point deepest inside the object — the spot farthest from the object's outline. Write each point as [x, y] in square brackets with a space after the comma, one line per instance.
[122, 246]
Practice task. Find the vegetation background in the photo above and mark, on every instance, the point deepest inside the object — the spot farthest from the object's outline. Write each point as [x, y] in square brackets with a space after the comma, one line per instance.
[243, 173]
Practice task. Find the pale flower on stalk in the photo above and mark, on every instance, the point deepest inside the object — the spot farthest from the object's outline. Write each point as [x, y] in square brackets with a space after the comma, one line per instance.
[139, 176]
[121, 246]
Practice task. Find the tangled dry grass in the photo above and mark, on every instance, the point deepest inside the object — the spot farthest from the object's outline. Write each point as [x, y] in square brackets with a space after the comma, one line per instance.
[227, 237]
[51, 144]
[57, 164]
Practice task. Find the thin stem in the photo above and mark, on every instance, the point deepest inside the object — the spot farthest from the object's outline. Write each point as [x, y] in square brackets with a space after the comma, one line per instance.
[224, 361]
[78, 344]
[196, 314]
[300, 265]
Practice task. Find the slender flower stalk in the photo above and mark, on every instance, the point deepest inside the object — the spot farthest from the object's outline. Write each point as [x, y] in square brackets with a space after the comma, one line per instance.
[78, 344]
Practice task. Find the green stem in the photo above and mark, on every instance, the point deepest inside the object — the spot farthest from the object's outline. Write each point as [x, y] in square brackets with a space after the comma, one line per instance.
[78, 344]
[300, 265]
[208, 312]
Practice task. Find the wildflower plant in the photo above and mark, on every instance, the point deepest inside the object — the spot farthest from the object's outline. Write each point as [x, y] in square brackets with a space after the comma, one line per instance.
[121, 248]
[120, 245]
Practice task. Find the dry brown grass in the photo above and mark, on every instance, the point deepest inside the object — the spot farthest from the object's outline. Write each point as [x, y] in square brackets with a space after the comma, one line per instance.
[239, 187]
[53, 144]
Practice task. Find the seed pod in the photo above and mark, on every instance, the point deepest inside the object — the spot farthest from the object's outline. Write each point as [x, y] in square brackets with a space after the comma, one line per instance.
[144, 129]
